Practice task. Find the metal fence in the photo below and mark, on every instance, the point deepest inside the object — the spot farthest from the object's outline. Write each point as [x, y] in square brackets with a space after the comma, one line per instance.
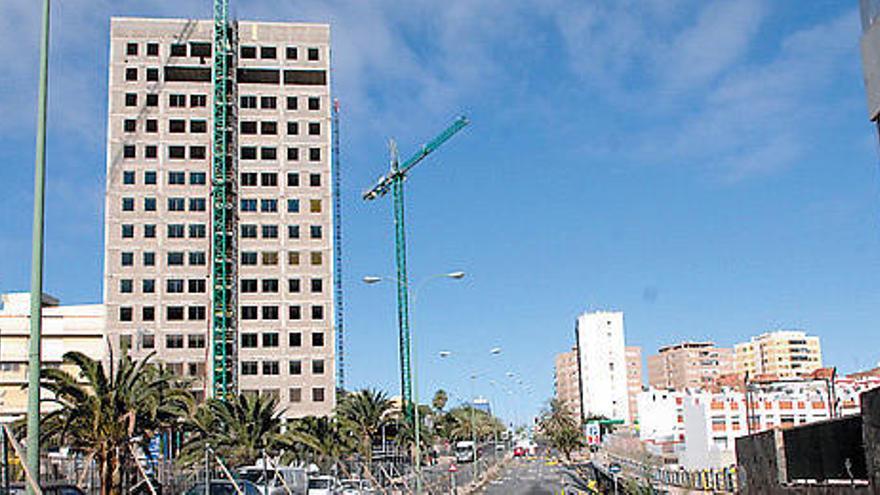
[714, 480]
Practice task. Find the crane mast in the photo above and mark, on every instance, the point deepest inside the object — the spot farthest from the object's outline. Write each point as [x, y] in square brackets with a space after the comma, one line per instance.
[337, 253]
[224, 208]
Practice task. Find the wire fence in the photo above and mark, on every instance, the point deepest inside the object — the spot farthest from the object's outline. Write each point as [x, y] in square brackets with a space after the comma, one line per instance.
[391, 476]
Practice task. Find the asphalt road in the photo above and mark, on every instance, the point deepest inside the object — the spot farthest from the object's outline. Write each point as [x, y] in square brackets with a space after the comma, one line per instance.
[531, 477]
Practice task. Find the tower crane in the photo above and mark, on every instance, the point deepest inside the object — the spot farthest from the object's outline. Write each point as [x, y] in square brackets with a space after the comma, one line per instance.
[393, 181]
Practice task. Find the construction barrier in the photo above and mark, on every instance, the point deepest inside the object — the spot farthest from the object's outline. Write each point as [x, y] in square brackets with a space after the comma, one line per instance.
[711, 480]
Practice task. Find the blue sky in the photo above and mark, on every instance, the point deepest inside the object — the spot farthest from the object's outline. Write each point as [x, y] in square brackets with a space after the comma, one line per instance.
[706, 167]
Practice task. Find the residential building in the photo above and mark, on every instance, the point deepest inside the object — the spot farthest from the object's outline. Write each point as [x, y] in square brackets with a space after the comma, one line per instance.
[633, 355]
[158, 212]
[602, 365]
[78, 328]
[661, 426]
[781, 354]
[688, 365]
[567, 382]
[701, 426]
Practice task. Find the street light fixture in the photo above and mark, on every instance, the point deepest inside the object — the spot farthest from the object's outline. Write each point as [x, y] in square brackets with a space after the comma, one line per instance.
[372, 279]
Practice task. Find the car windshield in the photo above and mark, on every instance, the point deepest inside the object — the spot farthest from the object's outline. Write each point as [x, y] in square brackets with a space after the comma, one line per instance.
[351, 484]
[319, 483]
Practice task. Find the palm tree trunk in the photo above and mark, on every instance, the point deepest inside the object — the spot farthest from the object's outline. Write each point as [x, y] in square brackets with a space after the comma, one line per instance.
[106, 470]
[368, 450]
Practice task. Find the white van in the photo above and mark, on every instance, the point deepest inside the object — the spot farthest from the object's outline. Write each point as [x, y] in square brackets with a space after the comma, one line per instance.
[465, 451]
[294, 479]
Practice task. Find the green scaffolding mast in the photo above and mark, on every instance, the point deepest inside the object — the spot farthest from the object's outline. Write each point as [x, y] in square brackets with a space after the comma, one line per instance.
[393, 181]
[224, 209]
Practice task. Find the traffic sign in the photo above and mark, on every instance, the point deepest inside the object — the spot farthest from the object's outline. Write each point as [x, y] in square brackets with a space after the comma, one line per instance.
[593, 433]
[453, 468]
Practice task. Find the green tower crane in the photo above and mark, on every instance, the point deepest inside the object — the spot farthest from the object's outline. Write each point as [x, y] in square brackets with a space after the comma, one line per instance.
[393, 182]
[224, 208]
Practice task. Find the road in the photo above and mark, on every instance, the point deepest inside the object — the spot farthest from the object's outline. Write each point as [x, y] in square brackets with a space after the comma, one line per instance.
[532, 477]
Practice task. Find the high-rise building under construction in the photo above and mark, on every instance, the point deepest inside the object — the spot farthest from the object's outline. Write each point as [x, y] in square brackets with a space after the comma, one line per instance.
[161, 217]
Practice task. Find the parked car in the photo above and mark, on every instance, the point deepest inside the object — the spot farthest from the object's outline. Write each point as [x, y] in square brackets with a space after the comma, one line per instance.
[356, 487]
[519, 451]
[323, 485]
[48, 489]
[295, 479]
[225, 487]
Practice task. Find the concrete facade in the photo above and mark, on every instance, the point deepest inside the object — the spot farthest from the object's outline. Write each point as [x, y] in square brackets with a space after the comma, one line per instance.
[689, 365]
[633, 380]
[65, 329]
[602, 355]
[662, 419]
[782, 354]
[157, 283]
[567, 382]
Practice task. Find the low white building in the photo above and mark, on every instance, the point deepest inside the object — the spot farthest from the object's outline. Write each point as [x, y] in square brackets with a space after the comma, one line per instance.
[702, 426]
[65, 328]
[661, 427]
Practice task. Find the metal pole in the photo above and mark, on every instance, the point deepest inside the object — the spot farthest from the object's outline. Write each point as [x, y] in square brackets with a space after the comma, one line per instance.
[208, 469]
[415, 391]
[34, 357]
[474, 432]
[5, 454]
[265, 473]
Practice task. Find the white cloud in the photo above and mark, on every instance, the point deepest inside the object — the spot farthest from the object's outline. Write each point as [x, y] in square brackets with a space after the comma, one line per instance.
[401, 66]
[719, 38]
[703, 101]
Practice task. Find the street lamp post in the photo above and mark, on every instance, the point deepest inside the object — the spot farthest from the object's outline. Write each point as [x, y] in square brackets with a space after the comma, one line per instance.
[36, 314]
[458, 275]
[494, 352]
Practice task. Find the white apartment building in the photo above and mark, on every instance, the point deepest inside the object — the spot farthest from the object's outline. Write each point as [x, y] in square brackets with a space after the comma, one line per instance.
[603, 370]
[158, 212]
[65, 329]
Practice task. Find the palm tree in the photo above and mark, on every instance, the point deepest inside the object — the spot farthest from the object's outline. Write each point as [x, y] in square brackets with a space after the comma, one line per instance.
[560, 427]
[239, 429]
[101, 412]
[364, 412]
[320, 440]
[440, 400]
